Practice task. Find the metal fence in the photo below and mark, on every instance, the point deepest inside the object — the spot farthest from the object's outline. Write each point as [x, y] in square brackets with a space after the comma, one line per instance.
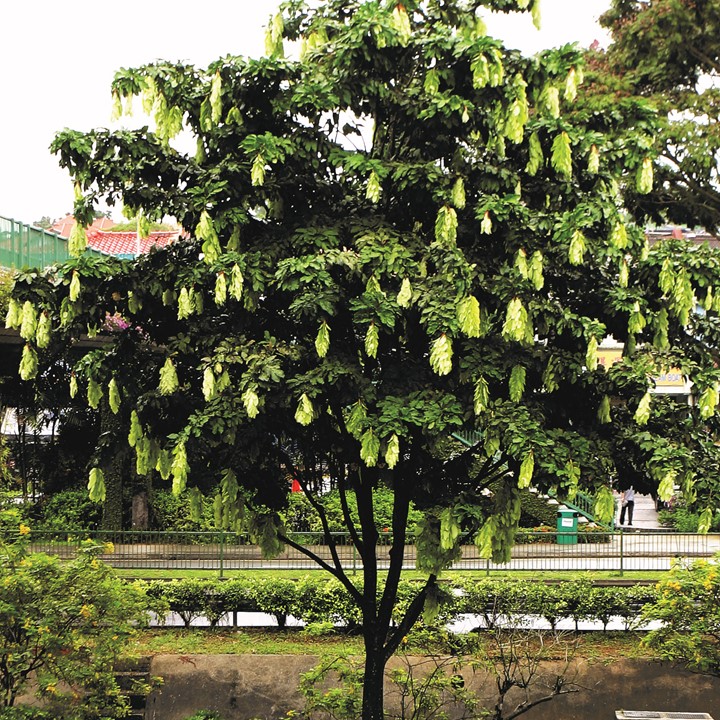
[617, 551]
[27, 246]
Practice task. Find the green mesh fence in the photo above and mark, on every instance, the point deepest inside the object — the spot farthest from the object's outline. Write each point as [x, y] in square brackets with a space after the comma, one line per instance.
[26, 246]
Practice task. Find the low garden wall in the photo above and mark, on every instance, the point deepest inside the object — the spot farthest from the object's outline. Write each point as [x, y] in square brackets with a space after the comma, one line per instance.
[245, 687]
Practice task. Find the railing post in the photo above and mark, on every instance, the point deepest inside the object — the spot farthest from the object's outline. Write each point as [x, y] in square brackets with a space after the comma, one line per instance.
[622, 550]
[222, 552]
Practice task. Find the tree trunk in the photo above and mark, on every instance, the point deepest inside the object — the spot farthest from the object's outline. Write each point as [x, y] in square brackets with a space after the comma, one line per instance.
[112, 518]
[374, 677]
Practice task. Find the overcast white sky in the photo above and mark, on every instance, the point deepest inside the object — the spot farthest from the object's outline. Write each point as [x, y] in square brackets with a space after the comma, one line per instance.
[58, 58]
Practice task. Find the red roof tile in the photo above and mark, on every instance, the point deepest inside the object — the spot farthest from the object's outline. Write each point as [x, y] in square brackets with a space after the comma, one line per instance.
[126, 243]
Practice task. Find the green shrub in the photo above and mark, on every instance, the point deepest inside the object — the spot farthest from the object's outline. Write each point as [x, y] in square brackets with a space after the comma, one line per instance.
[686, 605]
[64, 625]
[171, 513]
[67, 511]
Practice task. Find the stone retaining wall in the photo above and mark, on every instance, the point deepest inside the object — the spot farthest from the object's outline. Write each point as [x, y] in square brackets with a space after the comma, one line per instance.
[264, 687]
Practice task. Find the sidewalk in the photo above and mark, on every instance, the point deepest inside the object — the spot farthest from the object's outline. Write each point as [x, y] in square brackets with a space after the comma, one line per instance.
[645, 515]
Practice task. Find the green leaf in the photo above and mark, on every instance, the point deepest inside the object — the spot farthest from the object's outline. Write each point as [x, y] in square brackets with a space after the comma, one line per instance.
[236, 282]
[73, 385]
[28, 363]
[28, 324]
[392, 453]
[305, 412]
[517, 382]
[449, 529]
[644, 179]
[618, 236]
[251, 402]
[371, 340]
[636, 321]
[75, 286]
[666, 278]
[322, 341]
[708, 401]
[179, 469]
[77, 242]
[94, 393]
[527, 468]
[216, 97]
[571, 85]
[446, 225]
[468, 315]
[561, 158]
[666, 488]
[535, 155]
[481, 395]
[535, 270]
[516, 321]
[604, 507]
[642, 414]
[374, 188]
[705, 521]
[96, 485]
[401, 24]
[457, 196]
[355, 422]
[369, 448]
[114, 396]
[257, 172]
[136, 431]
[660, 338]
[521, 263]
[163, 464]
[441, 353]
[185, 304]
[208, 385]
[591, 354]
[431, 84]
[593, 165]
[13, 318]
[623, 274]
[42, 333]
[576, 251]
[484, 538]
[404, 296]
[168, 378]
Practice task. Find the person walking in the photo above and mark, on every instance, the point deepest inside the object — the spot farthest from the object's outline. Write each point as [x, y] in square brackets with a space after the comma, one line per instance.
[627, 503]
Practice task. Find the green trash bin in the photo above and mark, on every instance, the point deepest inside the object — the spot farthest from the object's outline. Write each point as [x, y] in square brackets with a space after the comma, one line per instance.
[567, 524]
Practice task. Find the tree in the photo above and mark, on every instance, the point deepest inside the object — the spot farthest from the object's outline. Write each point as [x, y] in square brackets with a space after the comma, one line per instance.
[62, 627]
[396, 236]
[668, 52]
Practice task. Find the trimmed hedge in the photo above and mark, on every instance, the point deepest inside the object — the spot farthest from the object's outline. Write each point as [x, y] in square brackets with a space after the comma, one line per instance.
[319, 600]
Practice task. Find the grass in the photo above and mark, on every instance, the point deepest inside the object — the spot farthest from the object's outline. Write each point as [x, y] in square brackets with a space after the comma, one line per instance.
[591, 646]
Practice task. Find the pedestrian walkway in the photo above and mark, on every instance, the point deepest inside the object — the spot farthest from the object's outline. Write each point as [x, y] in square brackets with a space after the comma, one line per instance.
[645, 515]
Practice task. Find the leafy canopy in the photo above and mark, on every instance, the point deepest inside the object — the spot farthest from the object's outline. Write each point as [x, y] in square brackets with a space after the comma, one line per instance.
[403, 233]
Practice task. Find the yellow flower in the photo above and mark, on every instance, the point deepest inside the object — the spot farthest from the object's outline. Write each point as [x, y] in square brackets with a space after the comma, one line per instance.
[24, 529]
[86, 611]
[108, 547]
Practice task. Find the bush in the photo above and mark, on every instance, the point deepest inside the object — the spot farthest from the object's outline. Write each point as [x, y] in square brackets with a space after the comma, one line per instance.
[67, 511]
[686, 604]
[172, 513]
[683, 520]
[65, 623]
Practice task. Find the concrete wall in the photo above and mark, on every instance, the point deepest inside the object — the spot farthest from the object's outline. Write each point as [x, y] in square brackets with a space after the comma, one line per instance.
[245, 687]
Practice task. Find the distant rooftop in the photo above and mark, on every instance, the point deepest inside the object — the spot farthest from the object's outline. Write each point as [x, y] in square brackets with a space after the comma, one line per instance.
[120, 244]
